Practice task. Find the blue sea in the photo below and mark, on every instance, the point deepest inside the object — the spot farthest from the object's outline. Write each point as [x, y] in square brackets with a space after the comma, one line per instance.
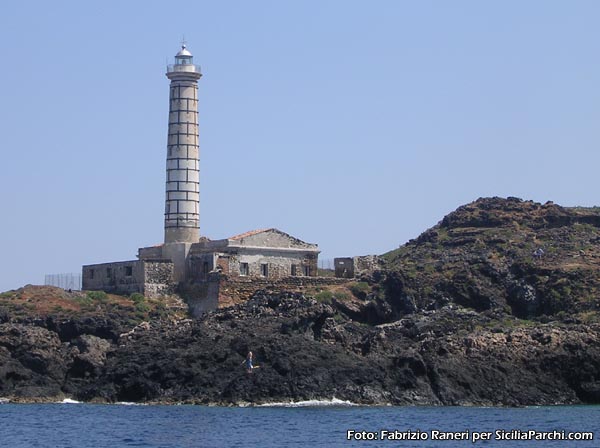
[88, 425]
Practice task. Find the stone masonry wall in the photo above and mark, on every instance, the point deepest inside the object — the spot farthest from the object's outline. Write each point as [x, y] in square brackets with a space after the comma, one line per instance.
[279, 265]
[236, 290]
[158, 278]
[366, 264]
[353, 267]
[220, 291]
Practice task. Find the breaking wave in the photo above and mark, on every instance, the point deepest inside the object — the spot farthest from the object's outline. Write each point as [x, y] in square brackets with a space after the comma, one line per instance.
[309, 403]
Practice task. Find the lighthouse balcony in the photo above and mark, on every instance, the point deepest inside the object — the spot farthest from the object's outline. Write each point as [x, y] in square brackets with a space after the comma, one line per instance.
[188, 68]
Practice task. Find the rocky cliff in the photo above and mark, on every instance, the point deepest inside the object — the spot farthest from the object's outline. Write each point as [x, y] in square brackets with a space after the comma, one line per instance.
[471, 312]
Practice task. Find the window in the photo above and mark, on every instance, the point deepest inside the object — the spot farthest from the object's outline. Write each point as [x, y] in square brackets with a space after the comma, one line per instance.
[294, 270]
[244, 269]
[307, 271]
[205, 267]
[128, 271]
[108, 272]
[264, 270]
[91, 273]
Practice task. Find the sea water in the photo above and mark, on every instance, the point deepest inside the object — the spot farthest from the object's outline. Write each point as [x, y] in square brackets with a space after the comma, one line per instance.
[297, 425]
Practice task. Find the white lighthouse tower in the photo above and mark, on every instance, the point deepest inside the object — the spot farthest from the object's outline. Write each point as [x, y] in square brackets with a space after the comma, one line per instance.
[182, 200]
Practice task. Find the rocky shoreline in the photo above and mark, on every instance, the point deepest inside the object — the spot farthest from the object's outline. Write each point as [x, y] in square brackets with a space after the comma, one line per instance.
[311, 351]
[461, 316]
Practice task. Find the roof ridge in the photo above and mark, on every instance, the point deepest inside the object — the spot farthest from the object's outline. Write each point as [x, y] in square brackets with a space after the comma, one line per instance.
[249, 233]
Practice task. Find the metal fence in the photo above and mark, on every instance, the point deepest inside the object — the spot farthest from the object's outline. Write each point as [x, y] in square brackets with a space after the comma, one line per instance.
[70, 281]
[326, 263]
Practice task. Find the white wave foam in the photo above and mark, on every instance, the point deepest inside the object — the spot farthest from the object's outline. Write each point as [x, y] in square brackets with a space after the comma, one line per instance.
[309, 403]
[70, 401]
[129, 403]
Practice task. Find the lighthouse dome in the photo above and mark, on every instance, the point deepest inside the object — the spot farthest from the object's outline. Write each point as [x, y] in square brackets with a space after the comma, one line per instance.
[184, 52]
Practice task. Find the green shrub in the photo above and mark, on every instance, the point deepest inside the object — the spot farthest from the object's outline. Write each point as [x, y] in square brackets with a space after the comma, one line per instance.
[84, 301]
[137, 297]
[360, 289]
[341, 296]
[142, 307]
[324, 296]
[160, 310]
[97, 296]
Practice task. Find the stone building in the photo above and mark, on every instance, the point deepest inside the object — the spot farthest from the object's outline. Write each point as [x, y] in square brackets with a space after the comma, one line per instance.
[184, 257]
[352, 267]
[268, 253]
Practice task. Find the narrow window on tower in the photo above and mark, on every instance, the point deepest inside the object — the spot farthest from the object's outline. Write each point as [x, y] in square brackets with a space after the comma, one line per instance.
[91, 273]
[294, 270]
[128, 271]
[307, 271]
[264, 270]
[244, 269]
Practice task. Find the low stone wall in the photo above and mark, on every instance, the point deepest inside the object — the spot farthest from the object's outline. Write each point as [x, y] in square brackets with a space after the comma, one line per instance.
[221, 291]
[236, 290]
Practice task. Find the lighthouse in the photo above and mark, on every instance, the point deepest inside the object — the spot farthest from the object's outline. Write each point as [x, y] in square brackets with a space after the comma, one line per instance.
[197, 265]
[182, 192]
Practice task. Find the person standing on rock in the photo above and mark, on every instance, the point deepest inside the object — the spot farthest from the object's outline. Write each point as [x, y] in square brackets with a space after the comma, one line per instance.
[248, 363]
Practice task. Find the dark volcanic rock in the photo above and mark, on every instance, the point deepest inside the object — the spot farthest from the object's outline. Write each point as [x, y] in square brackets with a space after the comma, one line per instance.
[463, 315]
[32, 361]
[308, 351]
[503, 254]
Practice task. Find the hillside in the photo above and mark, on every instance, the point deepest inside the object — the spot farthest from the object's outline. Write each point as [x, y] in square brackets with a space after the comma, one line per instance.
[482, 256]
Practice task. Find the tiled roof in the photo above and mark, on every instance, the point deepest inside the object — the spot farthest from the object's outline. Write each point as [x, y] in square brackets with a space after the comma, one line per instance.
[250, 233]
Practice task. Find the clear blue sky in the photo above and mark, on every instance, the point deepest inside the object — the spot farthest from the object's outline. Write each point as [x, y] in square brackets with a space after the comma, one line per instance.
[352, 124]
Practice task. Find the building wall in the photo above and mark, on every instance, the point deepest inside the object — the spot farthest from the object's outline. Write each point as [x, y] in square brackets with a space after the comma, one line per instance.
[229, 260]
[124, 277]
[201, 297]
[151, 278]
[344, 267]
[366, 264]
[150, 253]
[158, 278]
[278, 263]
[350, 267]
